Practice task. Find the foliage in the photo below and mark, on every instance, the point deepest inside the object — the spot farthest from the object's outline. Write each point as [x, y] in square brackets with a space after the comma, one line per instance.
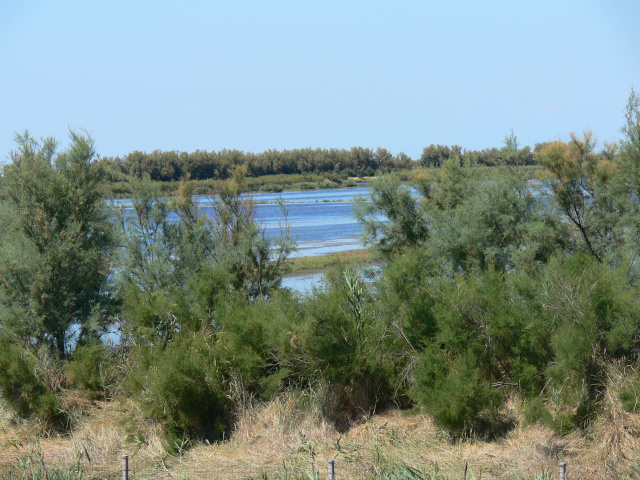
[55, 246]
[177, 267]
[390, 216]
[493, 285]
[173, 165]
[182, 387]
[578, 185]
[94, 368]
[630, 395]
[462, 219]
[261, 354]
[21, 386]
[346, 342]
[452, 389]
[437, 155]
[188, 281]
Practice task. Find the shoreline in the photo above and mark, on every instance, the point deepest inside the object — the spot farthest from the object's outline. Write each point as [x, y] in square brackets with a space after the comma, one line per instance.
[319, 263]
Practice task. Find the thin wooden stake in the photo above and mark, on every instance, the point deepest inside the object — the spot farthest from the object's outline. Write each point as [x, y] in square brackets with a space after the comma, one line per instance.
[332, 470]
[563, 471]
[125, 467]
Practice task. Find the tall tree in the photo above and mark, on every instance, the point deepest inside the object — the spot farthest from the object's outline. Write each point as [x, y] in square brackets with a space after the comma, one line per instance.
[56, 242]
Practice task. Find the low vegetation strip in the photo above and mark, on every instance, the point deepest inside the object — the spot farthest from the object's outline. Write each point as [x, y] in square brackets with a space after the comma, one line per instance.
[321, 262]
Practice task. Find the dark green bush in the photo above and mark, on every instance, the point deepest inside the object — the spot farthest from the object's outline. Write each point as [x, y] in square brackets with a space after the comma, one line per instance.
[347, 345]
[21, 387]
[92, 367]
[630, 396]
[452, 390]
[535, 410]
[182, 387]
[560, 418]
[261, 343]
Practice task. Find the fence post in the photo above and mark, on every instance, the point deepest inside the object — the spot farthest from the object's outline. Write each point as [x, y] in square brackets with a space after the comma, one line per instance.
[332, 470]
[563, 471]
[125, 467]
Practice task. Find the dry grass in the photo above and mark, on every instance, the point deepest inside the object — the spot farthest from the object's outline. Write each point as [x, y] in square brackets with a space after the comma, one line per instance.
[281, 432]
[291, 431]
[102, 433]
[616, 433]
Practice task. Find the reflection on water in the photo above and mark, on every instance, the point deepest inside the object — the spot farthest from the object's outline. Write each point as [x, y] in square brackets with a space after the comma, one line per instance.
[302, 283]
[321, 221]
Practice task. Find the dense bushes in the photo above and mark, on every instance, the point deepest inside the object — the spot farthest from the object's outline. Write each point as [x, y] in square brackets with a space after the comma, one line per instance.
[493, 286]
[181, 386]
[94, 368]
[22, 386]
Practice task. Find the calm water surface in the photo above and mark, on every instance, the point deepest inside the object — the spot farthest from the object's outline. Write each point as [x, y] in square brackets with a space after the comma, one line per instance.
[321, 222]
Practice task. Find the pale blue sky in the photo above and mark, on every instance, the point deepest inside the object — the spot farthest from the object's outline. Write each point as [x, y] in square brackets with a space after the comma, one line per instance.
[286, 74]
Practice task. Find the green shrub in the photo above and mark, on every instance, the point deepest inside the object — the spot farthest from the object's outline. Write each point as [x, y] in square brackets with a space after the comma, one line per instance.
[182, 387]
[260, 349]
[535, 410]
[21, 387]
[559, 418]
[630, 396]
[348, 346]
[563, 423]
[452, 390]
[92, 367]
[349, 183]
[271, 187]
[307, 186]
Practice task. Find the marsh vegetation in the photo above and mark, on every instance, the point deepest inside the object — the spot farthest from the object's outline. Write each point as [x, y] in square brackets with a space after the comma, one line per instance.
[503, 308]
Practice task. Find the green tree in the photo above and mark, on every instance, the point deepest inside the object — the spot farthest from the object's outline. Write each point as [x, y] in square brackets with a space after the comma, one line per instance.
[179, 263]
[346, 340]
[579, 184]
[391, 217]
[56, 245]
[627, 173]
[437, 155]
[147, 278]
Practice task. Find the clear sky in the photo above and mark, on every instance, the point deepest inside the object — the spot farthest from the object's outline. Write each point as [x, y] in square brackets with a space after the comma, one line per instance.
[258, 75]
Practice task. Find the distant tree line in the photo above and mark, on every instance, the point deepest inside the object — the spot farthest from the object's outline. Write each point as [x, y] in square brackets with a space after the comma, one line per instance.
[220, 165]
[510, 154]
[174, 165]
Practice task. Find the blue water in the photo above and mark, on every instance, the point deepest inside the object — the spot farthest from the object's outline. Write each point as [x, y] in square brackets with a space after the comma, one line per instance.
[321, 221]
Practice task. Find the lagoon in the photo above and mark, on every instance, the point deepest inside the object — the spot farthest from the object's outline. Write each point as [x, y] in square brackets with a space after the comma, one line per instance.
[321, 222]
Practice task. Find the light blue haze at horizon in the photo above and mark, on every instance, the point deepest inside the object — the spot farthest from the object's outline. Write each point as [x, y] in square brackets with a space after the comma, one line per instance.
[258, 75]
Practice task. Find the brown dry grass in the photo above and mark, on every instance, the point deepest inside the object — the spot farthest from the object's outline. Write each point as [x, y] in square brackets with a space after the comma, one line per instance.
[290, 430]
[102, 433]
[281, 432]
